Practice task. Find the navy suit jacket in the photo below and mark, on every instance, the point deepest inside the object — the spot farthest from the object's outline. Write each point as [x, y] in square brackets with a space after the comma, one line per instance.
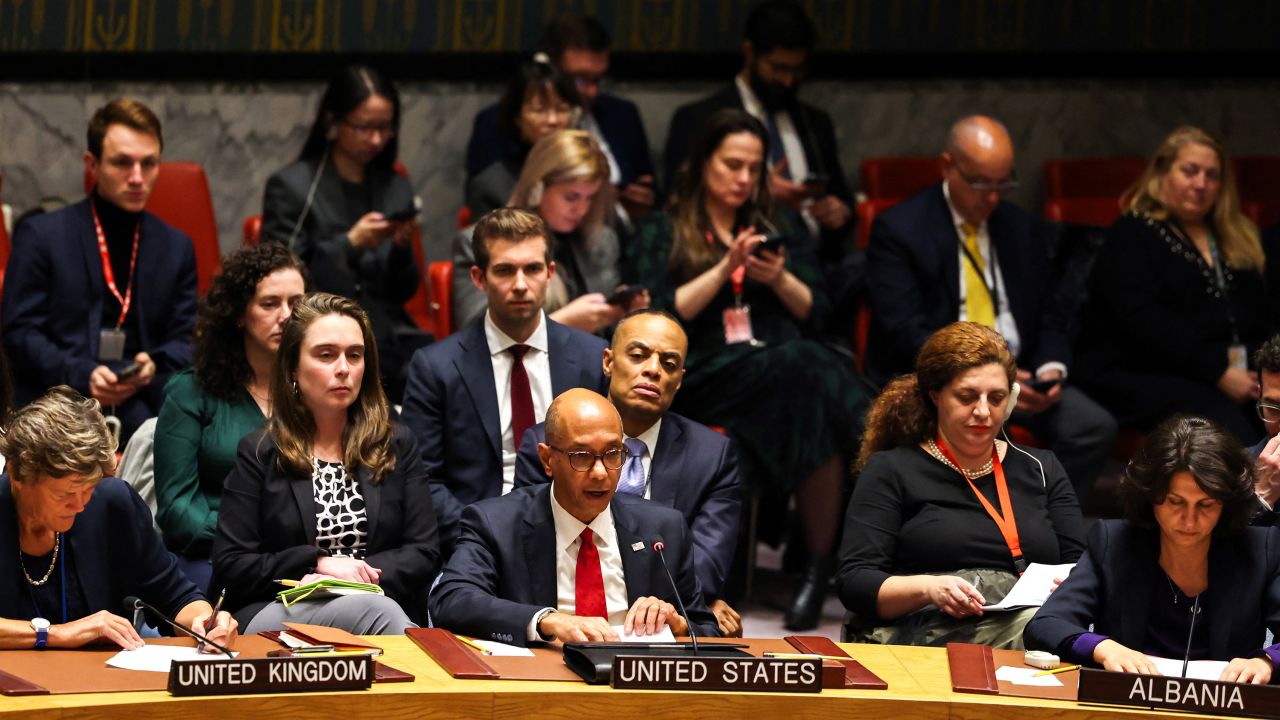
[52, 303]
[1110, 588]
[619, 122]
[913, 275]
[267, 528]
[116, 553]
[504, 569]
[451, 406]
[694, 469]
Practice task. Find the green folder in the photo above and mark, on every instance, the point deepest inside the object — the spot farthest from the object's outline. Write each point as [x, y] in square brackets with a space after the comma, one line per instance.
[324, 589]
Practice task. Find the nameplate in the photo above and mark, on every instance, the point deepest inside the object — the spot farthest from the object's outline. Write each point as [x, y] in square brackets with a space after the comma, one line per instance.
[734, 674]
[270, 675]
[1155, 691]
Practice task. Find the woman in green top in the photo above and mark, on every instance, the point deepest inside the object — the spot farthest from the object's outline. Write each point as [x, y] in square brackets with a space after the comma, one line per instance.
[222, 398]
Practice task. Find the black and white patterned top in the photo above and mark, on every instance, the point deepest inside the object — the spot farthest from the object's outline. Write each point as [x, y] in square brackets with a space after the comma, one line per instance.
[341, 523]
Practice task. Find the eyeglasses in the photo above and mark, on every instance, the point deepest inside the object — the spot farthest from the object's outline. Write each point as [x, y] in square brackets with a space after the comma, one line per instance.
[548, 111]
[386, 130]
[582, 461]
[983, 185]
[1268, 411]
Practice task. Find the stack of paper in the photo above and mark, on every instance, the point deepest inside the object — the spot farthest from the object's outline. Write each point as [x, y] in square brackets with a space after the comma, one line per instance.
[322, 589]
[1033, 588]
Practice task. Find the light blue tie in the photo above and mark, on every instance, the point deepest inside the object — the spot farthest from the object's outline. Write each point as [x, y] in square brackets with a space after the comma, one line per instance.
[632, 481]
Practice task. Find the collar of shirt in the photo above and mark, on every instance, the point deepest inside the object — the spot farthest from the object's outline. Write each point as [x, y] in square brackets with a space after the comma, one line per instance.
[499, 341]
[569, 528]
[957, 220]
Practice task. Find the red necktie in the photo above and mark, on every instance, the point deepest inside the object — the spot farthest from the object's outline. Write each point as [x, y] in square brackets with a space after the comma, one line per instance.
[521, 396]
[589, 583]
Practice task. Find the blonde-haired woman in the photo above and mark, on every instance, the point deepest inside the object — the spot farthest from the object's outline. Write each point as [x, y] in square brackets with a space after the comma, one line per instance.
[330, 489]
[1177, 301]
[566, 182]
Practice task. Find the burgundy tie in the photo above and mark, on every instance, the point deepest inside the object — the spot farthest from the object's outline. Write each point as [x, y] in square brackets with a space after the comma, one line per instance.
[521, 396]
[589, 582]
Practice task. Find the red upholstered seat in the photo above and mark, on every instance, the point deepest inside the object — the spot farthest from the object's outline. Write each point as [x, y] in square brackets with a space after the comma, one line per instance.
[1100, 211]
[1258, 178]
[252, 230]
[866, 212]
[1091, 177]
[440, 277]
[898, 177]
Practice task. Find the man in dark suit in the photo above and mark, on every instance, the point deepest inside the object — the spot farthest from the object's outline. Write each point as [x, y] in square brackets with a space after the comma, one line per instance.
[75, 311]
[672, 460]
[570, 561]
[1266, 454]
[471, 396]
[958, 251]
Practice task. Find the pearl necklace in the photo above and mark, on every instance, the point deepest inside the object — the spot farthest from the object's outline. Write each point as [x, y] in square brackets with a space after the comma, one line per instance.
[974, 474]
[57, 540]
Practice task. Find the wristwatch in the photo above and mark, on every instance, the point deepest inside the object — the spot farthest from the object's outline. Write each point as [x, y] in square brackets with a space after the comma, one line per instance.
[41, 626]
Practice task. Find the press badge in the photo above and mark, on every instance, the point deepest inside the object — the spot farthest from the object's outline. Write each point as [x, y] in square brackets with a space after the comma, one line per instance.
[1238, 357]
[737, 325]
[111, 344]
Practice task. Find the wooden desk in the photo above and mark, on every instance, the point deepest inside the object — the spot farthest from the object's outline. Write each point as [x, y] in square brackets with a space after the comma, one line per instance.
[919, 688]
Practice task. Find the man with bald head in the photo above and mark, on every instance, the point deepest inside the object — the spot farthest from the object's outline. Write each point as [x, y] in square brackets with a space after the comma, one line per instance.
[570, 561]
[960, 251]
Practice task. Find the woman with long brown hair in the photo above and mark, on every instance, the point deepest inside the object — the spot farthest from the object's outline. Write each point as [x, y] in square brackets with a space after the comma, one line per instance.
[330, 489]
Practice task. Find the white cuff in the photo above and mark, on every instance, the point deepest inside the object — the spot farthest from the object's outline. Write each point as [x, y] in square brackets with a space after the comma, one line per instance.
[532, 634]
[1050, 366]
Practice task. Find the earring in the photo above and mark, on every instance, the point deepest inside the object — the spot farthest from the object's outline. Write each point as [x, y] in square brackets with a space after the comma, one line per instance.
[296, 393]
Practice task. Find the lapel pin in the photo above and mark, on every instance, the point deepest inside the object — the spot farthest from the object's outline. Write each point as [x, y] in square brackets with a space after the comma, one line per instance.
[637, 546]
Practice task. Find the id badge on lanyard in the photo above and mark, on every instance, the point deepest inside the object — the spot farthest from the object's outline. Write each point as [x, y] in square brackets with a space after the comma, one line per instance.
[111, 341]
[1238, 356]
[737, 319]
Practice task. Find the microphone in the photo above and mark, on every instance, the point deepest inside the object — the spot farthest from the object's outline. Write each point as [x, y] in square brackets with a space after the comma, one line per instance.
[658, 547]
[1186, 657]
[137, 605]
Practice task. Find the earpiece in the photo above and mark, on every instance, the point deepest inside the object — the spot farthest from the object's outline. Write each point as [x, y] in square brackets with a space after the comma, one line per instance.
[1014, 389]
[535, 194]
[1011, 403]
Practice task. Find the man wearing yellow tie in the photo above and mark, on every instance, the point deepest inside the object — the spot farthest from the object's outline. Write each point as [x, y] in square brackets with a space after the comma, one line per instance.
[959, 251]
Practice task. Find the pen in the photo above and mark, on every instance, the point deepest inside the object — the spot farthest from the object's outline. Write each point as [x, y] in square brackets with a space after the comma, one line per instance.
[473, 644]
[287, 583]
[805, 656]
[1055, 671]
[212, 622]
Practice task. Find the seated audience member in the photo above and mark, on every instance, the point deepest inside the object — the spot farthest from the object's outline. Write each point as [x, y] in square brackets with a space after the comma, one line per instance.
[225, 396]
[579, 46]
[101, 295]
[70, 560]
[538, 101]
[789, 403]
[570, 560]
[1266, 453]
[670, 459]
[959, 251]
[1183, 550]
[331, 489]
[1177, 299]
[564, 181]
[472, 395]
[346, 212]
[803, 160]
[944, 517]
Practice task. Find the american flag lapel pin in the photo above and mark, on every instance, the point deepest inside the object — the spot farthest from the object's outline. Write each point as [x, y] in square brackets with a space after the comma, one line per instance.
[637, 546]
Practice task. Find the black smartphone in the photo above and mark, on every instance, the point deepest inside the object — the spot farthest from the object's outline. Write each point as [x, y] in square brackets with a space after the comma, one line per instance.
[1043, 386]
[772, 243]
[128, 371]
[816, 184]
[623, 296]
[408, 213]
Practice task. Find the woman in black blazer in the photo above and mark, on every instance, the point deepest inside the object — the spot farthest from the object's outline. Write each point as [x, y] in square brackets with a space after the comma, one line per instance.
[329, 489]
[1184, 551]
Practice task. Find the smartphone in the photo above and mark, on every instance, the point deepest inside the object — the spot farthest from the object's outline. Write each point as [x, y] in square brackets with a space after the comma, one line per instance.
[623, 296]
[408, 213]
[1043, 386]
[773, 242]
[129, 371]
[816, 184]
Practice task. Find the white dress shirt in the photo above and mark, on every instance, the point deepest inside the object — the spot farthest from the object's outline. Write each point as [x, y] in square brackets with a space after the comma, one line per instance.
[650, 439]
[792, 146]
[537, 366]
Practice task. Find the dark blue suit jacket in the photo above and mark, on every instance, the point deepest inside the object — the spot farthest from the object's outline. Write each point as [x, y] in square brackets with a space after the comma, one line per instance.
[53, 290]
[694, 469]
[619, 121]
[1110, 588]
[1263, 516]
[452, 408]
[504, 569]
[116, 553]
[914, 280]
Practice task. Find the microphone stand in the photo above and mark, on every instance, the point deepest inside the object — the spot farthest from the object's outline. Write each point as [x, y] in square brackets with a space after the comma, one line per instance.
[1186, 656]
[140, 604]
[658, 547]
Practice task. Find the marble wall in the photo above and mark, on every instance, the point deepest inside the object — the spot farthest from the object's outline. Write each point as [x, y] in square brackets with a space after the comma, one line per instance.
[243, 133]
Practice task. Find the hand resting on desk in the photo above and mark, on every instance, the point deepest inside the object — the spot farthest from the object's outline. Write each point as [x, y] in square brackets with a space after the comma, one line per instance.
[646, 617]
[1113, 656]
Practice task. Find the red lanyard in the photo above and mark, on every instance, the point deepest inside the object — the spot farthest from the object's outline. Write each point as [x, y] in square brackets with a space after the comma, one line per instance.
[737, 277]
[109, 274]
[1003, 519]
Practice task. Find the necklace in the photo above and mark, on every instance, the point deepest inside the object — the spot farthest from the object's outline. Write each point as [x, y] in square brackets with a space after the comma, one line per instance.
[57, 540]
[974, 474]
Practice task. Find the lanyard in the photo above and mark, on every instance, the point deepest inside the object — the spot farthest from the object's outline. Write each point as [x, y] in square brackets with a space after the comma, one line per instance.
[109, 274]
[1219, 275]
[1004, 519]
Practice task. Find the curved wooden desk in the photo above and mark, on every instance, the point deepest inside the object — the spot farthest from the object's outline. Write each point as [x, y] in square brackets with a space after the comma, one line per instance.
[919, 687]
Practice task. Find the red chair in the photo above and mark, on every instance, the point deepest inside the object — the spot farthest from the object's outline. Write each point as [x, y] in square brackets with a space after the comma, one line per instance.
[866, 212]
[440, 277]
[252, 230]
[1100, 212]
[898, 177]
[464, 217]
[1091, 177]
[1258, 178]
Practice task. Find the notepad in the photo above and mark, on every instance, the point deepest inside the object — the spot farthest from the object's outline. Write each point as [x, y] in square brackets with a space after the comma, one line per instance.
[1033, 588]
[1026, 676]
[663, 636]
[501, 649]
[323, 589]
[156, 658]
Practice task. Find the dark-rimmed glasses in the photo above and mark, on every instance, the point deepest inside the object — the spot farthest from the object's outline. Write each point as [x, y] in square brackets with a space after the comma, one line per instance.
[582, 461]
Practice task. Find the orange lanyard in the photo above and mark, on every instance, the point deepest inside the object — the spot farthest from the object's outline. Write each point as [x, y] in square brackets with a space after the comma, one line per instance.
[737, 277]
[108, 274]
[1003, 519]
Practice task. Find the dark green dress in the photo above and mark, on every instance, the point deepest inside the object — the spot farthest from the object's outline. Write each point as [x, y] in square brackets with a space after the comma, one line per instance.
[789, 404]
[195, 450]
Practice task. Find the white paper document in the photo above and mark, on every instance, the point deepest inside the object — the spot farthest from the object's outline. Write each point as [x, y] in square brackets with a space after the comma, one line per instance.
[156, 658]
[1033, 588]
[663, 636]
[1026, 676]
[1197, 669]
[501, 649]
